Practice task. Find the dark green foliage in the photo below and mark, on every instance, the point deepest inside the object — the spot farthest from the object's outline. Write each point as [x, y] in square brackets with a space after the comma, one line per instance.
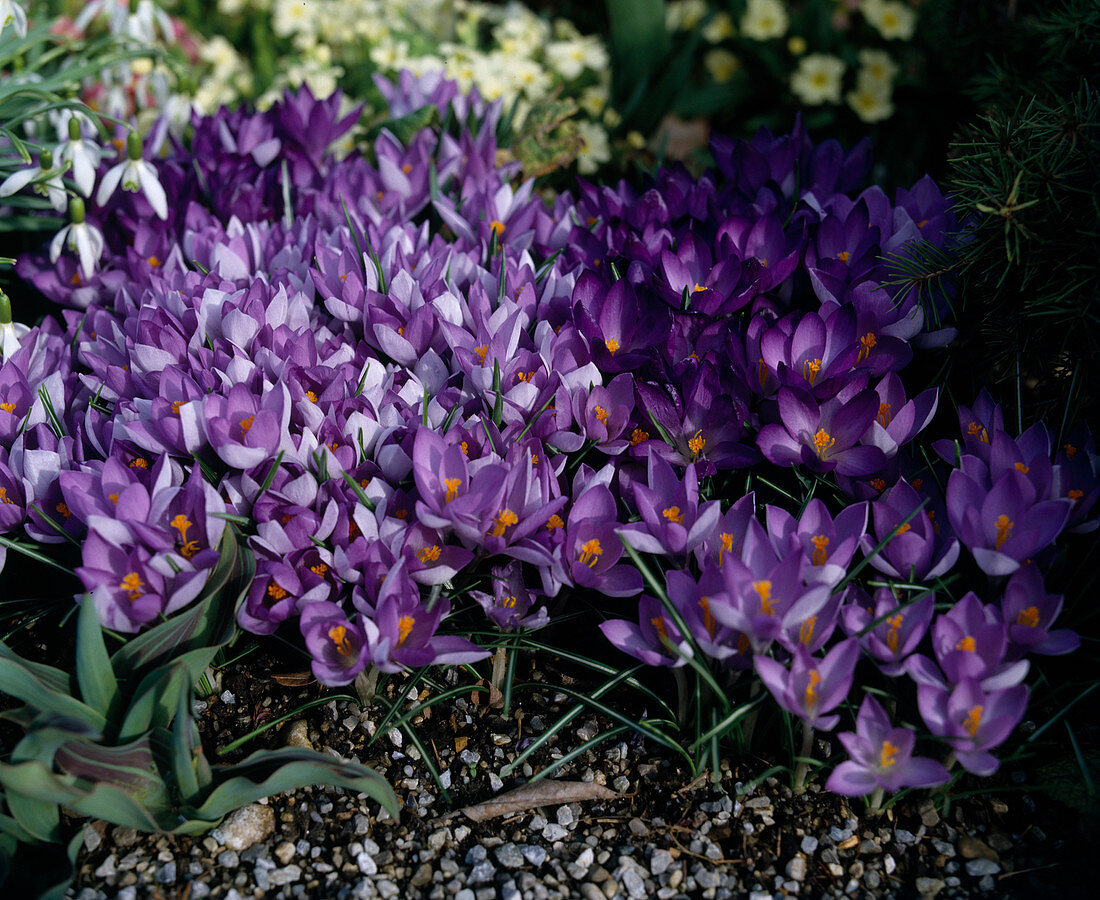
[1026, 176]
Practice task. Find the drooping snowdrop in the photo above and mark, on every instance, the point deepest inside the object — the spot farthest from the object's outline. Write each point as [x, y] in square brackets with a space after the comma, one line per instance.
[44, 178]
[135, 174]
[11, 13]
[81, 154]
[83, 238]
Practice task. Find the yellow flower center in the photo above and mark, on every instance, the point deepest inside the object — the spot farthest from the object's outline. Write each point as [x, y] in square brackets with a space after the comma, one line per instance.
[866, 345]
[844, 256]
[806, 630]
[320, 570]
[62, 508]
[481, 350]
[967, 643]
[727, 545]
[247, 423]
[811, 697]
[601, 414]
[978, 431]
[338, 634]
[708, 617]
[810, 369]
[312, 397]
[139, 463]
[8, 407]
[1020, 467]
[590, 553]
[658, 623]
[1075, 494]
[1071, 451]
[504, 518]
[673, 514]
[1004, 527]
[275, 590]
[637, 436]
[133, 585]
[820, 554]
[764, 592]
[404, 626]
[884, 415]
[892, 633]
[973, 720]
[428, 554]
[611, 344]
[497, 227]
[452, 488]
[153, 261]
[553, 522]
[823, 441]
[176, 404]
[697, 443]
[181, 523]
[1028, 617]
[889, 755]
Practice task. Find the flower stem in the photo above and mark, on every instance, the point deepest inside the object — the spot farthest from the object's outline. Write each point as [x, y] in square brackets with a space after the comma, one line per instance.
[803, 766]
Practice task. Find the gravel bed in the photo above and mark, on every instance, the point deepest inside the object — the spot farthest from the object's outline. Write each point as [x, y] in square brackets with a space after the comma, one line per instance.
[666, 835]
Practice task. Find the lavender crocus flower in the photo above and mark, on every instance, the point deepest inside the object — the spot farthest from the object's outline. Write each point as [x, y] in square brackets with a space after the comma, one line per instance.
[509, 606]
[881, 757]
[673, 520]
[900, 628]
[655, 640]
[913, 550]
[1029, 611]
[972, 720]
[811, 687]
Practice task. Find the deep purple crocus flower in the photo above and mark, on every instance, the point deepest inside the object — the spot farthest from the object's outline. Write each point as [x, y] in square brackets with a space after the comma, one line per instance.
[673, 520]
[655, 640]
[881, 757]
[823, 438]
[1029, 611]
[971, 720]
[823, 540]
[338, 646]
[811, 687]
[243, 429]
[913, 550]
[509, 606]
[1006, 524]
[900, 628]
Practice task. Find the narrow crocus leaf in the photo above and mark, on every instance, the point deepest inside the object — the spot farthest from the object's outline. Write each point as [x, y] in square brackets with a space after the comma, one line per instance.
[268, 772]
[38, 816]
[154, 702]
[25, 683]
[94, 675]
[185, 747]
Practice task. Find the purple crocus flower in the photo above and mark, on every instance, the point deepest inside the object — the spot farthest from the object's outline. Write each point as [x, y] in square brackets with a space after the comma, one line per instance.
[971, 720]
[1077, 476]
[243, 429]
[823, 438]
[589, 554]
[881, 757]
[899, 420]
[913, 550]
[620, 327]
[811, 351]
[1005, 525]
[811, 687]
[337, 645]
[1029, 611]
[823, 540]
[509, 606]
[673, 520]
[655, 640]
[900, 628]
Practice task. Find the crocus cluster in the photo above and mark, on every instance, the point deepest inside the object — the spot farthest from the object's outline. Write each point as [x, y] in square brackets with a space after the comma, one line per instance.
[414, 386]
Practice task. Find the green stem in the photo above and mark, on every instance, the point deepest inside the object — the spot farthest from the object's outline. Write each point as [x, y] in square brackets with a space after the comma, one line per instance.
[803, 766]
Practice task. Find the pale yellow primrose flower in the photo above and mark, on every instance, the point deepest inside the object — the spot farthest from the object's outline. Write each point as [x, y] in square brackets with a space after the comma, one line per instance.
[817, 79]
[871, 100]
[721, 64]
[570, 58]
[720, 28]
[595, 147]
[684, 15]
[764, 20]
[877, 66]
[890, 18]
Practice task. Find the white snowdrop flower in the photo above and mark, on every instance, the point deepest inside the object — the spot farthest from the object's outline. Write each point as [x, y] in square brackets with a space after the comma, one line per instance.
[83, 239]
[142, 24]
[45, 180]
[80, 154]
[570, 58]
[10, 332]
[135, 174]
[11, 13]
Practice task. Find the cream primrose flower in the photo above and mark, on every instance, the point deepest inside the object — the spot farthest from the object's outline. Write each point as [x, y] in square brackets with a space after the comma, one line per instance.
[80, 154]
[721, 64]
[11, 13]
[720, 28]
[817, 79]
[593, 100]
[135, 175]
[890, 18]
[764, 20]
[571, 57]
[595, 147]
[85, 240]
[877, 66]
[871, 100]
[290, 18]
[525, 76]
[684, 15]
[10, 332]
[45, 180]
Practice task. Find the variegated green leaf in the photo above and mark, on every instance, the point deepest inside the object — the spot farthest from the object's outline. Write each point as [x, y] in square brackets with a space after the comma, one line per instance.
[98, 687]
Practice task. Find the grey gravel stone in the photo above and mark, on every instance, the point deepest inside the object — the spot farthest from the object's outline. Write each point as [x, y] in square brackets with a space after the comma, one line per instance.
[554, 832]
[660, 862]
[979, 867]
[482, 872]
[633, 883]
[534, 854]
[166, 874]
[247, 826]
[509, 856]
[366, 864]
[809, 844]
[796, 868]
[565, 816]
[929, 887]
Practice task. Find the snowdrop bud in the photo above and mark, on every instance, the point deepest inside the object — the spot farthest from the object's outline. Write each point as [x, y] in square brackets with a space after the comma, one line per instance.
[45, 160]
[74, 129]
[76, 210]
[133, 146]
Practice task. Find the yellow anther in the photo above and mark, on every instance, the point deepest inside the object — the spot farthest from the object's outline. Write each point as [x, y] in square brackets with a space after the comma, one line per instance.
[967, 643]
[428, 554]
[601, 414]
[884, 415]
[181, 523]
[637, 436]
[892, 633]
[503, 519]
[844, 256]
[338, 634]
[866, 345]
[62, 508]
[708, 617]
[497, 226]
[658, 623]
[1020, 467]
[8, 407]
[247, 423]
[973, 720]
[611, 344]
[806, 630]
[481, 350]
[404, 626]
[590, 553]
[976, 430]
[823, 441]
[1029, 617]
[311, 396]
[889, 755]
[820, 554]
[133, 585]
[153, 261]
[697, 442]
[320, 570]
[553, 522]
[727, 545]
[764, 592]
[453, 485]
[1004, 527]
[673, 514]
[811, 697]
[275, 590]
[810, 369]
[1075, 494]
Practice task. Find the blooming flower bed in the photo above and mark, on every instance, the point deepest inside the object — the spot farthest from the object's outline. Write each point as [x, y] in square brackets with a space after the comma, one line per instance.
[413, 390]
